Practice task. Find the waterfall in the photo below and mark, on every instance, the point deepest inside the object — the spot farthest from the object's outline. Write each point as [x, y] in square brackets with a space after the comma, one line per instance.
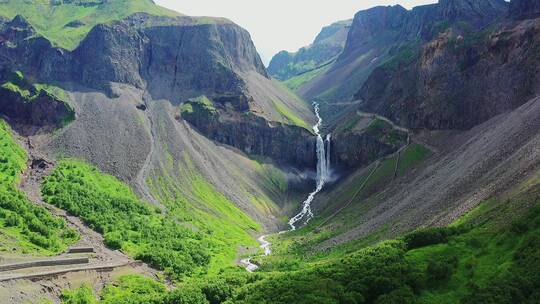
[323, 171]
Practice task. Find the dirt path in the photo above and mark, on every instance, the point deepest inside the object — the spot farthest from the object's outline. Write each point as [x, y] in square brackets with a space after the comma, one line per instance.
[38, 168]
[376, 116]
[145, 170]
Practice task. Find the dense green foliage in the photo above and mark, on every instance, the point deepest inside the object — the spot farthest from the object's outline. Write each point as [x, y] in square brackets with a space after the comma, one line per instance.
[81, 295]
[135, 289]
[464, 263]
[111, 208]
[24, 225]
[193, 201]
[66, 22]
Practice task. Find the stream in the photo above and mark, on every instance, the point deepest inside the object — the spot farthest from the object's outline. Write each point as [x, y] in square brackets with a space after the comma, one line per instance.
[323, 175]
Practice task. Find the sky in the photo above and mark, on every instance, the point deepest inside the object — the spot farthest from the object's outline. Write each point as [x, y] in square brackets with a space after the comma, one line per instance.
[277, 25]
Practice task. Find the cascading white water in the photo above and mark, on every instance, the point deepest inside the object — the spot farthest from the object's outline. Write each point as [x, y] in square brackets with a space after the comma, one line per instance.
[323, 171]
[323, 175]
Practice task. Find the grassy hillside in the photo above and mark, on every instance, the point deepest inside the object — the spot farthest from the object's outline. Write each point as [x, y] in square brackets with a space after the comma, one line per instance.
[194, 202]
[183, 240]
[66, 22]
[491, 255]
[297, 81]
[24, 227]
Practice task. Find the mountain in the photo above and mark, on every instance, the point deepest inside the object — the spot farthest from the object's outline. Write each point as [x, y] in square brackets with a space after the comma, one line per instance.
[151, 158]
[380, 34]
[325, 48]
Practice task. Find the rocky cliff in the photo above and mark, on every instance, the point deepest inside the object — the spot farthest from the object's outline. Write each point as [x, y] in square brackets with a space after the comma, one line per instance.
[524, 9]
[459, 79]
[327, 46]
[170, 58]
[250, 133]
[362, 138]
[30, 108]
[380, 33]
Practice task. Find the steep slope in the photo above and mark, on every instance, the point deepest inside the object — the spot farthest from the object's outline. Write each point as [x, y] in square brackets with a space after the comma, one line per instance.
[382, 34]
[471, 76]
[129, 121]
[324, 49]
[169, 58]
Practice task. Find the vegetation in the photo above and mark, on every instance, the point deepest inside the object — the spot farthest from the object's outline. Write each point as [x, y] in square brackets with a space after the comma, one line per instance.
[81, 295]
[111, 208]
[402, 56]
[288, 116]
[295, 82]
[66, 22]
[28, 92]
[18, 84]
[199, 104]
[193, 201]
[25, 226]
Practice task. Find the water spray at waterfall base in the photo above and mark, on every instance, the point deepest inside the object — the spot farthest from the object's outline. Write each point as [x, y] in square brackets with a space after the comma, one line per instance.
[323, 171]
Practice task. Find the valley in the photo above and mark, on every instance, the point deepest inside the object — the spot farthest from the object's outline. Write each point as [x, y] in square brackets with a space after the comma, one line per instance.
[147, 156]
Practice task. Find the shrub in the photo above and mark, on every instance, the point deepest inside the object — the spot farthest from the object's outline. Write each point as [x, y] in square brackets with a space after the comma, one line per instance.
[428, 236]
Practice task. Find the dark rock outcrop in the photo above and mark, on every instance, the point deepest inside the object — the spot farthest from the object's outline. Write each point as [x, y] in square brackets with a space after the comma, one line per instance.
[285, 144]
[44, 110]
[171, 58]
[377, 34]
[358, 141]
[459, 81]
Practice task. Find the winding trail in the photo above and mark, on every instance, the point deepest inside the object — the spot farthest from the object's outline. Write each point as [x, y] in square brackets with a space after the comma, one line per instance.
[103, 258]
[145, 169]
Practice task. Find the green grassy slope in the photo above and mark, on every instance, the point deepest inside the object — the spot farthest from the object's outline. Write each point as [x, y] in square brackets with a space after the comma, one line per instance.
[24, 227]
[111, 208]
[66, 23]
[491, 255]
[200, 232]
[296, 82]
[193, 201]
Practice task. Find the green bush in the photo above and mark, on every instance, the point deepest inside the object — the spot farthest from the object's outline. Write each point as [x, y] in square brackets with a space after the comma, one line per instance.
[111, 208]
[27, 222]
[81, 295]
[428, 236]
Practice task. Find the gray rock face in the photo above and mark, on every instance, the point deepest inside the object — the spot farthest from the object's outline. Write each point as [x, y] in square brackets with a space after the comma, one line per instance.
[285, 144]
[377, 34]
[457, 82]
[169, 58]
[44, 111]
[356, 149]
[369, 25]
[425, 22]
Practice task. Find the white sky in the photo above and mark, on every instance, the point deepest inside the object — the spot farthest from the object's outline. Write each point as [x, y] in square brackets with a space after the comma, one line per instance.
[281, 24]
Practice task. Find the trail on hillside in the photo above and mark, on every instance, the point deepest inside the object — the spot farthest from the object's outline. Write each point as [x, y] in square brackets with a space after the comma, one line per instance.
[38, 168]
[145, 169]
